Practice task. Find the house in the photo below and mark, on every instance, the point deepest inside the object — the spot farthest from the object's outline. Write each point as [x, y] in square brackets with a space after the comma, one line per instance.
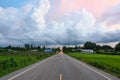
[10, 50]
[34, 50]
[48, 50]
[87, 51]
[73, 50]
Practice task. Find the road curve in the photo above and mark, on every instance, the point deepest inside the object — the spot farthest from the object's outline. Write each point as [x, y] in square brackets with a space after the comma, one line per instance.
[59, 67]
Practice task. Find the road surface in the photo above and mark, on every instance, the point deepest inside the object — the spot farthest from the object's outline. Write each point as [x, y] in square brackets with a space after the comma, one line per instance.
[59, 67]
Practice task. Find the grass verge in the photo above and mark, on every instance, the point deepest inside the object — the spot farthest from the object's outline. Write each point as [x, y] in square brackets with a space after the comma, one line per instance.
[108, 63]
[10, 63]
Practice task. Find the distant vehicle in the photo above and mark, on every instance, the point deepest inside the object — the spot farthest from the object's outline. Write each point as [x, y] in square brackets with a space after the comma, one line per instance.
[48, 50]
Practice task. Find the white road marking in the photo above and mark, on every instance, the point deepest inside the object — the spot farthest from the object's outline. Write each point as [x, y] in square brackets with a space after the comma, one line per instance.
[60, 76]
[28, 69]
[98, 72]
[94, 70]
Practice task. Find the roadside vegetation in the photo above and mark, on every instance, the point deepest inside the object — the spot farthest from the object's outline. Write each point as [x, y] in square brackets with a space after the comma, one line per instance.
[108, 63]
[13, 58]
[99, 49]
[11, 61]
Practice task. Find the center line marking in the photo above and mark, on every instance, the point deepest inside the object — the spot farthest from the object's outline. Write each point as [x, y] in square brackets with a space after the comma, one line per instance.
[60, 76]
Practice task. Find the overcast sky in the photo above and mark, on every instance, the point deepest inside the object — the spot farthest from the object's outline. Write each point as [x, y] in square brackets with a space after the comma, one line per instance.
[59, 21]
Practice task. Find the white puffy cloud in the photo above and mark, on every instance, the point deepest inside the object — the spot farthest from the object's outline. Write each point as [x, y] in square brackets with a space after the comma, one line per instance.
[39, 13]
[25, 22]
[29, 24]
[78, 27]
[81, 26]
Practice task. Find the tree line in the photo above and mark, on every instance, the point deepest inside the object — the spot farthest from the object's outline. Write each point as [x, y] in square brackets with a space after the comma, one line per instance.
[95, 47]
[87, 45]
[25, 48]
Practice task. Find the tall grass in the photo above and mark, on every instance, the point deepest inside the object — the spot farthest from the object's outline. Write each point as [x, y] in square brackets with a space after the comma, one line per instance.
[108, 63]
[10, 63]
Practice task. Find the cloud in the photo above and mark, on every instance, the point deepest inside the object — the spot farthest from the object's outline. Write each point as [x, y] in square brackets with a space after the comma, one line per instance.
[80, 26]
[112, 16]
[30, 24]
[93, 6]
[25, 22]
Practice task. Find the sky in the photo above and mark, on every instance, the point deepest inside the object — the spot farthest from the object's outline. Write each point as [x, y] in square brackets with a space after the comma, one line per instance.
[12, 3]
[62, 22]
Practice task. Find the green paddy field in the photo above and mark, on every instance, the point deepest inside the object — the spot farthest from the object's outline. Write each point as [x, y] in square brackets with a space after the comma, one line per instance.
[108, 63]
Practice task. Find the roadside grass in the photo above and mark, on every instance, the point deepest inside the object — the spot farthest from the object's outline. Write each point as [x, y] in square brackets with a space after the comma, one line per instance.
[10, 63]
[108, 63]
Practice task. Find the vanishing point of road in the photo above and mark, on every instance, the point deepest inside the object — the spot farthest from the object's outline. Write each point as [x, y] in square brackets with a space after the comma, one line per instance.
[59, 67]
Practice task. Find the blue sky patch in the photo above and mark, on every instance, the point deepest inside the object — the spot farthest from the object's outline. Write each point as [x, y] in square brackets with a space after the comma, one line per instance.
[12, 3]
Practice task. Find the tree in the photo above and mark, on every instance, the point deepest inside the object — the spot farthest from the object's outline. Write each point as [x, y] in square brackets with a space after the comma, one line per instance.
[39, 48]
[76, 47]
[27, 46]
[90, 45]
[43, 48]
[31, 46]
[9, 47]
[64, 49]
[98, 47]
[117, 47]
[58, 49]
[106, 47]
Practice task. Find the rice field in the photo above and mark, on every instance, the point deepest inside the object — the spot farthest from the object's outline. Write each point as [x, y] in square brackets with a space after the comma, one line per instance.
[108, 63]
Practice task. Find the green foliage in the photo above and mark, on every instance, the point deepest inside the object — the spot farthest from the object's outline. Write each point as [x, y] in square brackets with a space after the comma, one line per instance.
[69, 49]
[90, 45]
[107, 48]
[7, 63]
[64, 49]
[98, 47]
[117, 47]
[109, 63]
[27, 46]
[10, 63]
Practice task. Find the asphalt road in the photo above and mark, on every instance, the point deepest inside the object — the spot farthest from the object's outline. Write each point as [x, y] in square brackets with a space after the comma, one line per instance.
[59, 67]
